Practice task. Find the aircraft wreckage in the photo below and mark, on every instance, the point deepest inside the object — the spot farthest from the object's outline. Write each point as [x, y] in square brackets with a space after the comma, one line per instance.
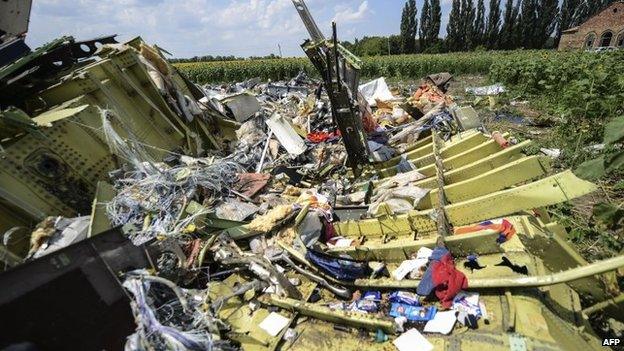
[145, 212]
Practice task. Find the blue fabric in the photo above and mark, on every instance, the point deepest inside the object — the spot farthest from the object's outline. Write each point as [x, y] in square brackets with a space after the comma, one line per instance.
[404, 165]
[338, 268]
[426, 286]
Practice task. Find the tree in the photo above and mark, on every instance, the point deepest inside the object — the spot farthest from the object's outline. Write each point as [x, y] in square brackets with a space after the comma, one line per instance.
[478, 28]
[537, 22]
[454, 28]
[431, 17]
[492, 26]
[395, 44]
[374, 46]
[404, 34]
[528, 22]
[409, 26]
[467, 14]
[546, 22]
[508, 32]
[425, 24]
[435, 19]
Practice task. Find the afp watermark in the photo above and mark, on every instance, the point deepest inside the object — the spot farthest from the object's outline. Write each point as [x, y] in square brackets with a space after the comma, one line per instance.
[613, 342]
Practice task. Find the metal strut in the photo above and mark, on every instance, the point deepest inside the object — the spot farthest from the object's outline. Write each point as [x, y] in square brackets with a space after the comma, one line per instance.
[443, 226]
[308, 21]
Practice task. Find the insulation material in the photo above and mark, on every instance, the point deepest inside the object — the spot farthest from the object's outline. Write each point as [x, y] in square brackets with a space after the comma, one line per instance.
[267, 222]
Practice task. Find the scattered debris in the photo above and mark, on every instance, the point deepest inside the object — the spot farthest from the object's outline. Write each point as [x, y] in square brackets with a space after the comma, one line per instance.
[553, 153]
[494, 89]
[278, 213]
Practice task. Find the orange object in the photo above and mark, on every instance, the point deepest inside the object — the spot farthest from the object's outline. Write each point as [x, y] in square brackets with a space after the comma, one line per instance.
[498, 137]
[500, 226]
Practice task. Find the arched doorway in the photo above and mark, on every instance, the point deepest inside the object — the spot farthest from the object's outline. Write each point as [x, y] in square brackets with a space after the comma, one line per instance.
[589, 40]
[619, 42]
[605, 38]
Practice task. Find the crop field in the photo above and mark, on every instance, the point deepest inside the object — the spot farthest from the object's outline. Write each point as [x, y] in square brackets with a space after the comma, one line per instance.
[398, 66]
[534, 69]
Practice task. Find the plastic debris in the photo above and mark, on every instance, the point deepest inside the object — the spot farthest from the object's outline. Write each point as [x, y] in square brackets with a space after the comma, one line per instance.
[412, 340]
[493, 89]
[376, 90]
[274, 323]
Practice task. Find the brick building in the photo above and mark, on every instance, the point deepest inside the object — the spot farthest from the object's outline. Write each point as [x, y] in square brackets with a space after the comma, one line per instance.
[605, 28]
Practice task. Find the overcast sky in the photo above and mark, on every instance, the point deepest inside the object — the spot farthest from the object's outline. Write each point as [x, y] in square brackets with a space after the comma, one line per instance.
[189, 28]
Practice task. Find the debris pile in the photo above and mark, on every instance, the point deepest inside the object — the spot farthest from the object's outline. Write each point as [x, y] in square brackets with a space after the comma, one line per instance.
[276, 222]
[287, 213]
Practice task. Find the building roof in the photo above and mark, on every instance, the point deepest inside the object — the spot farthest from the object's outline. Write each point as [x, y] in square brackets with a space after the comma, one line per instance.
[573, 29]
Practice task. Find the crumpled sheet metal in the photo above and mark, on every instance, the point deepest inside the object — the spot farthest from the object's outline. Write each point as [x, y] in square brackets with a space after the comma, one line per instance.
[286, 134]
[243, 106]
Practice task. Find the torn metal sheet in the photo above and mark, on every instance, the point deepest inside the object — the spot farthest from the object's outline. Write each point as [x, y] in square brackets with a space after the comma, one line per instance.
[286, 134]
[243, 106]
[466, 117]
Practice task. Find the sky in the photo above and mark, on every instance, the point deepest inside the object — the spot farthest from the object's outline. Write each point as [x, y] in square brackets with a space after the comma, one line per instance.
[215, 27]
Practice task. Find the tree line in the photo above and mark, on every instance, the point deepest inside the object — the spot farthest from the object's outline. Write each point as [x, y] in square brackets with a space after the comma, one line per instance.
[529, 24]
[210, 58]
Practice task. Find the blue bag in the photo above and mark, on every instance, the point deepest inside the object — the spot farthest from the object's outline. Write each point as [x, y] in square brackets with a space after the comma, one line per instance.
[339, 268]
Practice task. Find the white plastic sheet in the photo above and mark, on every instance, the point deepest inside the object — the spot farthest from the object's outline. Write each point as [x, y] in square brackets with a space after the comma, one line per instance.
[376, 89]
[274, 323]
[412, 340]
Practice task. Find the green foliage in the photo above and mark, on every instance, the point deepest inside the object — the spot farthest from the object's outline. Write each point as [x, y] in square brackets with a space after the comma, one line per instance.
[608, 215]
[409, 27]
[598, 235]
[430, 17]
[492, 25]
[478, 29]
[231, 71]
[396, 66]
[210, 58]
[436, 48]
[454, 31]
[612, 159]
[508, 37]
[585, 89]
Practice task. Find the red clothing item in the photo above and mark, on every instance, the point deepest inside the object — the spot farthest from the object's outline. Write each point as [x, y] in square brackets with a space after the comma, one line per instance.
[448, 281]
[319, 137]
